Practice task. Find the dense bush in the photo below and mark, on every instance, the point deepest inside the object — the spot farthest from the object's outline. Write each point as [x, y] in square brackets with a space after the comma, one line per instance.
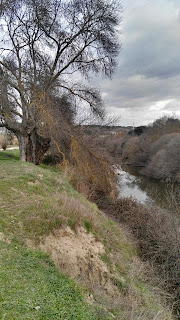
[86, 163]
[90, 170]
[165, 161]
[4, 142]
[157, 149]
[135, 151]
[164, 125]
[158, 238]
[113, 144]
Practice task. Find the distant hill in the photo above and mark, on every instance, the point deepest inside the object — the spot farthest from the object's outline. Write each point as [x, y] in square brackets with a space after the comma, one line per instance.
[106, 129]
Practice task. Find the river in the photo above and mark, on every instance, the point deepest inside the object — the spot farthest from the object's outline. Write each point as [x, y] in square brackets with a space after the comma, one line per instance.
[145, 190]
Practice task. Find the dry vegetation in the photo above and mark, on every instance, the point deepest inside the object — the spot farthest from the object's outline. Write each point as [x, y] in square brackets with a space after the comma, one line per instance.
[165, 158]
[157, 231]
[36, 202]
[7, 139]
[156, 148]
[85, 163]
[158, 238]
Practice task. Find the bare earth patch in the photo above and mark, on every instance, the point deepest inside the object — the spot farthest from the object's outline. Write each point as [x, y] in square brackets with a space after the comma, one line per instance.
[77, 254]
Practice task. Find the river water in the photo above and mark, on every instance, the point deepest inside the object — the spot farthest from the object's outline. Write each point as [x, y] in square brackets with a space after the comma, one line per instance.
[145, 190]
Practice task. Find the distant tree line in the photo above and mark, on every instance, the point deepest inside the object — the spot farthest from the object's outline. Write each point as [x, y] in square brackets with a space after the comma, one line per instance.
[156, 148]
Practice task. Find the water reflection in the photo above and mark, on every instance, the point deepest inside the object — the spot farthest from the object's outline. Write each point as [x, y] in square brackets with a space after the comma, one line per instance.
[132, 184]
[128, 187]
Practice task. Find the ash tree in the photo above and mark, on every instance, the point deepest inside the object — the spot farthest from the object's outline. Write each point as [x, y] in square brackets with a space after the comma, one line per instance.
[45, 47]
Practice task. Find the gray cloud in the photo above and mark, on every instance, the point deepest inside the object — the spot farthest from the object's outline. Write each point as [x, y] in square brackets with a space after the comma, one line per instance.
[152, 42]
[147, 82]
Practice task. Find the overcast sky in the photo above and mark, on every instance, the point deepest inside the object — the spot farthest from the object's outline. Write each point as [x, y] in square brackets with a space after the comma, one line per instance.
[146, 84]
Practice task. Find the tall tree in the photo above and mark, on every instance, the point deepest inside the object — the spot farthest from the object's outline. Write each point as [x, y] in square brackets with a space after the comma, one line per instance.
[44, 44]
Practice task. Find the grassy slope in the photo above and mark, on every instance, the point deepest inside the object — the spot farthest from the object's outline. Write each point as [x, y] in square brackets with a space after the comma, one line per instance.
[32, 288]
[34, 201]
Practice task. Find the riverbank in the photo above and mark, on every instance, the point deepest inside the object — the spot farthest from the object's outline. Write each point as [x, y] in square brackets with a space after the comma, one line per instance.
[157, 234]
[132, 184]
[41, 211]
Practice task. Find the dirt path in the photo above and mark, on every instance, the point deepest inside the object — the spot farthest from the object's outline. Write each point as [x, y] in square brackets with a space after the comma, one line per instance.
[11, 148]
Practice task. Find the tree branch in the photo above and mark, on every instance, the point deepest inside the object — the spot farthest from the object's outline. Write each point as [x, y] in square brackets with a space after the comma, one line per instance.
[70, 62]
[9, 69]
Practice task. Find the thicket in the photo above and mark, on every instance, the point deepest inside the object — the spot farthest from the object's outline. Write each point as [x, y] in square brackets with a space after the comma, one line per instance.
[157, 149]
[85, 163]
[136, 151]
[165, 158]
[6, 139]
[4, 142]
[113, 144]
[158, 238]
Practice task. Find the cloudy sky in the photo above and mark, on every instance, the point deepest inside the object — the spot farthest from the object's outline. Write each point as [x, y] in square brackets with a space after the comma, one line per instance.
[146, 84]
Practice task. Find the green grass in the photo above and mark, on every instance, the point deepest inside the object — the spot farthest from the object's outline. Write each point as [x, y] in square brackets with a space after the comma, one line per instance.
[32, 288]
[29, 196]
[9, 155]
[35, 200]
[28, 278]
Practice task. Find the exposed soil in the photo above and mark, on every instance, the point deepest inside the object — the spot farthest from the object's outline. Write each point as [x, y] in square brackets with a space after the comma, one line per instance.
[77, 254]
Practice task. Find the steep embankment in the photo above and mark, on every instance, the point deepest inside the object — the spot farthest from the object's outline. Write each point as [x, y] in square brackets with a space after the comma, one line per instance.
[41, 212]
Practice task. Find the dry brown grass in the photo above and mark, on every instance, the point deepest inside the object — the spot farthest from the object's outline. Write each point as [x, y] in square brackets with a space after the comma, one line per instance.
[158, 239]
[89, 170]
[76, 213]
[128, 274]
[37, 202]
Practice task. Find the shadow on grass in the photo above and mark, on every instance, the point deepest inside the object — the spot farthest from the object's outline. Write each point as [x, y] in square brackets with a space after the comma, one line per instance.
[9, 155]
[13, 155]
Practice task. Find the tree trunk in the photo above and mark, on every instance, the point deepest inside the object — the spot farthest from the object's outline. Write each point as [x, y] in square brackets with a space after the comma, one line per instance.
[32, 147]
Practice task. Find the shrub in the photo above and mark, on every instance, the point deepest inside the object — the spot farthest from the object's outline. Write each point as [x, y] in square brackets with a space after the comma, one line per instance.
[113, 144]
[4, 143]
[164, 165]
[158, 237]
[135, 151]
[163, 126]
[85, 163]
[90, 170]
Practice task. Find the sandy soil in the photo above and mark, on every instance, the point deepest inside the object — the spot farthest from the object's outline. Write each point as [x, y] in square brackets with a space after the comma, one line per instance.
[77, 254]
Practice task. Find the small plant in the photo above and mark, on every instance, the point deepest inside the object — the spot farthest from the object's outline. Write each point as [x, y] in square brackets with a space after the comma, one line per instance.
[105, 259]
[122, 286]
[71, 222]
[4, 143]
[87, 225]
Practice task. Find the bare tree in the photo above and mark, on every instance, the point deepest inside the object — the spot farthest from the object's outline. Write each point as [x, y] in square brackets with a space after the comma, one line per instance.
[44, 44]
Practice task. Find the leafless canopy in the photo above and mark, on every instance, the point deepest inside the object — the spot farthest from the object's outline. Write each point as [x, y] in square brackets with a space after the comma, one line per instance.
[44, 44]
